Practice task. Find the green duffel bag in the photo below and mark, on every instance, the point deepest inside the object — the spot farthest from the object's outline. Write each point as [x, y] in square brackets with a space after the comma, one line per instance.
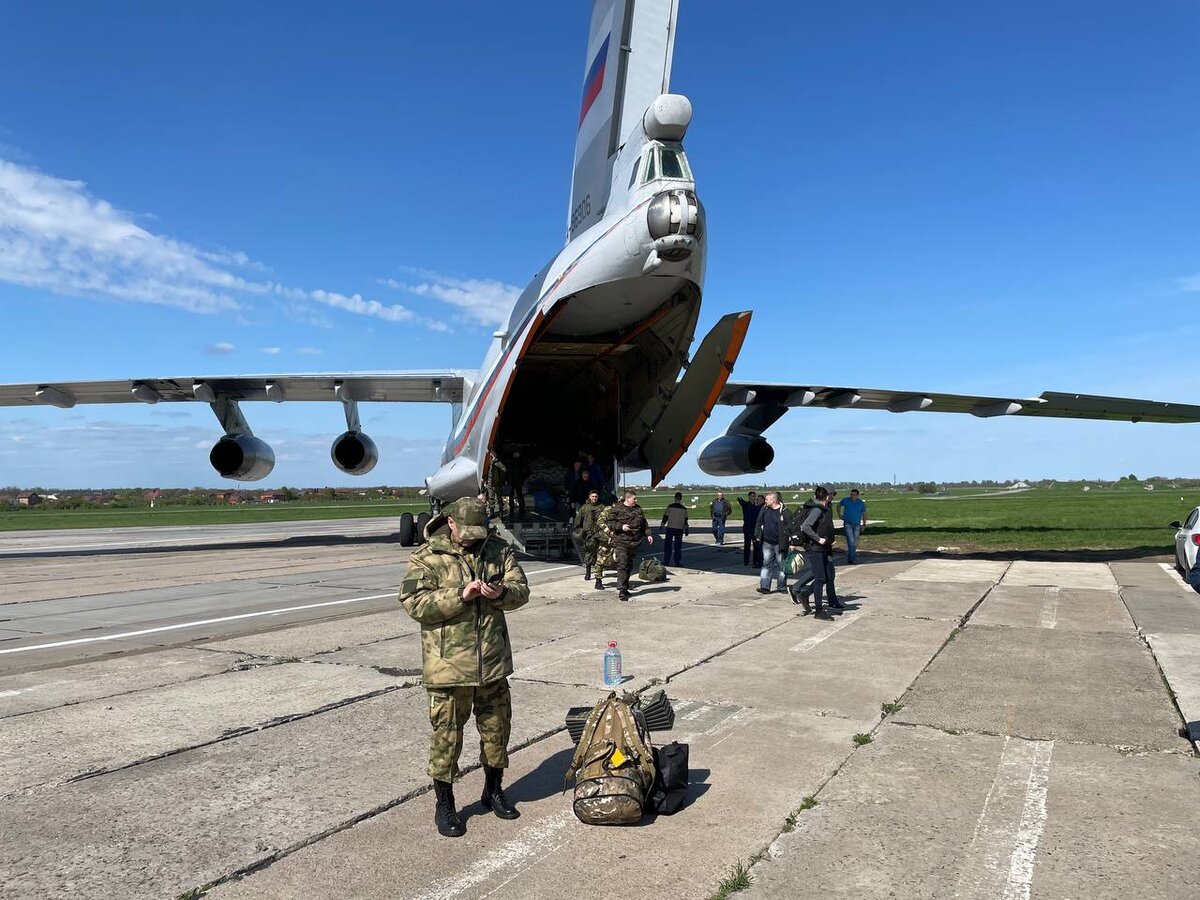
[651, 569]
[795, 563]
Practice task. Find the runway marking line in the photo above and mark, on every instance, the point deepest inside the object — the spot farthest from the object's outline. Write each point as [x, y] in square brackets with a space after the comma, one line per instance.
[1000, 859]
[1170, 569]
[215, 621]
[1050, 608]
[809, 642]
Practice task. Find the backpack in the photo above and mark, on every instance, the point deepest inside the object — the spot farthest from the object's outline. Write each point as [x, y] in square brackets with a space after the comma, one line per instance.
[669, 792]
[651, 570]
[613, 766]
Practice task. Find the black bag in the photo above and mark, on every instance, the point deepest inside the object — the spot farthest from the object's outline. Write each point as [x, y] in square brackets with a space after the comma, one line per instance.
[669, 791]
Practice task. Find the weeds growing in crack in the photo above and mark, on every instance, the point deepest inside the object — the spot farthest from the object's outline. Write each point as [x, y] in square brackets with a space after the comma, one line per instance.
[862, 739]
[737, 880]
[890, 709]
[789, 824]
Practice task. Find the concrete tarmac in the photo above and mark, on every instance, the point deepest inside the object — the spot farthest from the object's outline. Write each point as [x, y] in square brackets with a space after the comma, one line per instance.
[966, 728]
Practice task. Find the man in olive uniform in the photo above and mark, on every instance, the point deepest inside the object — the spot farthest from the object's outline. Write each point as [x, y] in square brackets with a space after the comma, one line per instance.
[587, 531]
[628, 525]
[458, 586]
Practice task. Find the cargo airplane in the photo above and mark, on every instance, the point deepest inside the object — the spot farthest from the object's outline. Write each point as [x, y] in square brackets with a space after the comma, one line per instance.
[600, 342]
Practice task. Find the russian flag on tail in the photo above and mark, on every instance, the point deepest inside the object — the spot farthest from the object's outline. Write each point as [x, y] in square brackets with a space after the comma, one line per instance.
[595, 80]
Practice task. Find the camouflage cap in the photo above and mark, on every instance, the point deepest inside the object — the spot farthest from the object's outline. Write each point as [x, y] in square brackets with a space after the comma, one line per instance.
[470, 517]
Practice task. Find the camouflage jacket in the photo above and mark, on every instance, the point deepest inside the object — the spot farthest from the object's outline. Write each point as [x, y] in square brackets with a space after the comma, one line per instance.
[463, 643]
[587, 520]
[619, 515]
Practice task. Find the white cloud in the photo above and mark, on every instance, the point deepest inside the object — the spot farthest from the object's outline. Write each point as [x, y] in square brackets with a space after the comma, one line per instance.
[272, 350]
[309, 351]
[220, 349]
[1190, 284]
[484, 300]
[56, 236]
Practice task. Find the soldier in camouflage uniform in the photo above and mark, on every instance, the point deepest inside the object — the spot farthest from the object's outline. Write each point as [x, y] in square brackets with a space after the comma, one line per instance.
[497, 479]
[605, 557]
[458, 586]
[628, 526]
[587, 532]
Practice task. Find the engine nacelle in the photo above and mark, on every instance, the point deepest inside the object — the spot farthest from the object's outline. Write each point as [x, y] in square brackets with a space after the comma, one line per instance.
[736, 454]
[242, 457]
[354, 453]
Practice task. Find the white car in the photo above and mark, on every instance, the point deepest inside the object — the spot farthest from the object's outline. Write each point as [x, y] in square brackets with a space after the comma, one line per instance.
[1187, 541]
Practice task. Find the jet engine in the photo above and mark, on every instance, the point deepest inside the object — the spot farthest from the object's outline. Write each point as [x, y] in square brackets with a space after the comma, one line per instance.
[736, 454]
[354, 453]
[242, 457]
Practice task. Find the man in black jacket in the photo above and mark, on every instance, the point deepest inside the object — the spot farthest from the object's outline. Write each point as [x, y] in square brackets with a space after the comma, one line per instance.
[769, 531]
[750, 510]
[817, 531]
[675, 526]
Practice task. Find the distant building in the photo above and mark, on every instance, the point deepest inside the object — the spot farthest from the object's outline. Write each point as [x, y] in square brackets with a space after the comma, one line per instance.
[29, 499]
[273, 497]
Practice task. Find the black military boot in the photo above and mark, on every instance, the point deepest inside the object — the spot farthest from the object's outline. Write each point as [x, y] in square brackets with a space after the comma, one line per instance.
[445, 816]
[599, 585]
[799, 595]
[587, 575]
[835, 603]
[493, 794]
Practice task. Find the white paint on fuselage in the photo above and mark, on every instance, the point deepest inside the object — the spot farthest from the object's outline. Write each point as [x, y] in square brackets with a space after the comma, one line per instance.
[603, 275]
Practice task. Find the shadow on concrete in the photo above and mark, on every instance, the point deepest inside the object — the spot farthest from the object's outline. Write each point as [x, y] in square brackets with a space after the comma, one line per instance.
[642, 589]
[545, 781]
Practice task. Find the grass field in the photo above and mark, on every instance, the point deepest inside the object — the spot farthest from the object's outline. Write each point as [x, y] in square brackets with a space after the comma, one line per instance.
[1124, 519]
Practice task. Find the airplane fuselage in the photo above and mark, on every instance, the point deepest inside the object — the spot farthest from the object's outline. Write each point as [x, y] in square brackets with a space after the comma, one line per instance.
[598, 294]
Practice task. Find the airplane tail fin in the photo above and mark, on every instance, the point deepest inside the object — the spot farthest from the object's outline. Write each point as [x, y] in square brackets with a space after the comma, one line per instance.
[628, 64]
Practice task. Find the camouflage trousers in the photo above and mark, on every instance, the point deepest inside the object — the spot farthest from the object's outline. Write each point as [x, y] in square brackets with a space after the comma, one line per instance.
[604, 559]
[624, 556]
[449, 710]
[587, 548]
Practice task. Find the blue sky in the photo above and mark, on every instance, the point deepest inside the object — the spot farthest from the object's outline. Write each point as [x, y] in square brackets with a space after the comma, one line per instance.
[932, 196]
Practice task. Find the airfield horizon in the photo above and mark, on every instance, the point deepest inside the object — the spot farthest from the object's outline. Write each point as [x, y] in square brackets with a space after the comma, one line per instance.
[1116, 520]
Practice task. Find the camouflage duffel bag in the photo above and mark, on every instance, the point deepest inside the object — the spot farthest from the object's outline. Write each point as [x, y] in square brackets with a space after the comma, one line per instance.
[613, 766]
[651, 570]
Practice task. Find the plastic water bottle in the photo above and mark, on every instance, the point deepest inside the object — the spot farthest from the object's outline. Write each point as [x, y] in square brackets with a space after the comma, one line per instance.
[612, 665]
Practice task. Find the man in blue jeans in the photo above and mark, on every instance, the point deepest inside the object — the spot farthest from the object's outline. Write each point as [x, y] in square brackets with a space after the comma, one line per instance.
[719, 509]
[854, 519]
[675, 525]
[769, 531]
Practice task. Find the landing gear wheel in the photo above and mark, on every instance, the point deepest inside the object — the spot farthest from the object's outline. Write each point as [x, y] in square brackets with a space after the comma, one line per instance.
[408, 530]
[422, 521]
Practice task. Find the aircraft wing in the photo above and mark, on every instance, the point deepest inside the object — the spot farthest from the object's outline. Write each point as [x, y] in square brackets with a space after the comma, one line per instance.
[395, 387]
[769, 401]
